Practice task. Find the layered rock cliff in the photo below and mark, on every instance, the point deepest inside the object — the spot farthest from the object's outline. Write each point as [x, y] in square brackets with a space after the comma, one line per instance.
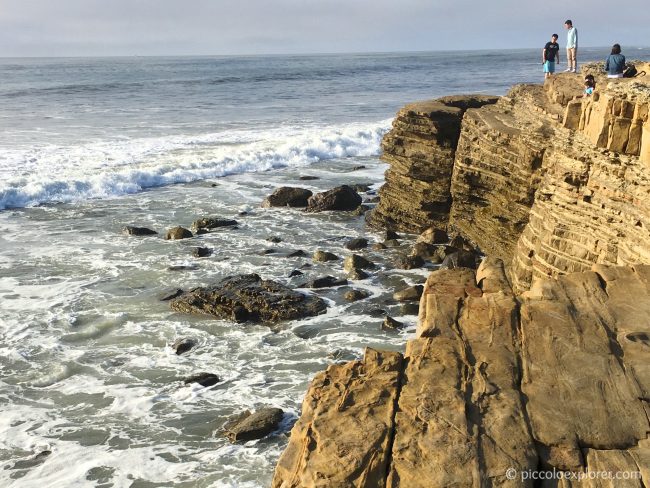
[538, 363]
[496, 390]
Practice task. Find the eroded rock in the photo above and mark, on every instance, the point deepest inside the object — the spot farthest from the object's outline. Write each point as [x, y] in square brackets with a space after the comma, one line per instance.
[287, 196]
[339, 198]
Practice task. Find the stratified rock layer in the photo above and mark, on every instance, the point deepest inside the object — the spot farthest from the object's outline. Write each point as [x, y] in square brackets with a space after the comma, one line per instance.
[555, 379]
[420, 149]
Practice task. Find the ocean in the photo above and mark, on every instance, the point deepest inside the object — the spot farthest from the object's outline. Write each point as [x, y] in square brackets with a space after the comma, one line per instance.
[91, 393]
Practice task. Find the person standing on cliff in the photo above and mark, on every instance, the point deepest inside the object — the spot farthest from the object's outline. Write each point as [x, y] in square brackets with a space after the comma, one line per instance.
[571, 47]
[550, 55]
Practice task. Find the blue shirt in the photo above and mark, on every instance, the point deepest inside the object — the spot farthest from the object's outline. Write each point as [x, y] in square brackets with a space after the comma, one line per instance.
[615, 64]
[572, 38]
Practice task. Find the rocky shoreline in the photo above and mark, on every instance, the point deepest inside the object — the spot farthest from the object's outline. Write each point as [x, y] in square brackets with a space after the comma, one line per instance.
[537, 361]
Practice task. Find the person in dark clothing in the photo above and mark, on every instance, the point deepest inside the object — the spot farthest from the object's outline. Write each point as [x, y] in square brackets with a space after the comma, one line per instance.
[615, 63]
[550, 55]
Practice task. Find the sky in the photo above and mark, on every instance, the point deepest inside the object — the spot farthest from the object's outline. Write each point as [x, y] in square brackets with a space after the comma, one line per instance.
[220, 27]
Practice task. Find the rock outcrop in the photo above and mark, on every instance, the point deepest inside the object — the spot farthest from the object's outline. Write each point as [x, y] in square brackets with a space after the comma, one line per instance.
[496, 390]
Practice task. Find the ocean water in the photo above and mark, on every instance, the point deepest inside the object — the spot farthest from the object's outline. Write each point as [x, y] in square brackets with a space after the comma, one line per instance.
[91, 394]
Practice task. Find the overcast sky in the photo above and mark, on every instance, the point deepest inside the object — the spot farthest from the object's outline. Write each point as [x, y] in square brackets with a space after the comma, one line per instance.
[173, 27]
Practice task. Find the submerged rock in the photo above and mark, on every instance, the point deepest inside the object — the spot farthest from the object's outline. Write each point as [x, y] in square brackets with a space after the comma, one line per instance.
[325, 282]
[339, 198]
[297, 254]
[356, 295]
[203, 379]
[287, 196]
[137, 231]
[181, 346]
[178, 232]
[249, 298]
[201, 252]
[250, 426]
[358, 243]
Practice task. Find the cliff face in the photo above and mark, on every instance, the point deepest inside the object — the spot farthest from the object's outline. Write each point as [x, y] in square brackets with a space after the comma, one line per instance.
[555, 379]
[548, 183]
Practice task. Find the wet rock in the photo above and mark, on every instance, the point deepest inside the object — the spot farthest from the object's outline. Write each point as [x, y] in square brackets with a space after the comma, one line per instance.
[390, 323]
[297, 254]
[287, 196]
[324, 282]
[274, 239]
[200, 232]
[409, 262]
[392, 243]
[201, 252]
[249, 298]
[412, 308]
[182, 267]
[356, 261]
[250, 426]
[357, 168]
[460, 259]
[178, 232]
[391, 235]
[354, 244]
[308, 178]
[356, 295]
[169, 294]
[424, 250]
[265, 252]
[360, 210]
[411, 293]
[203, 379]
[339, 198]
[378, 246]
[433, 235]
[208, 223]
[183, 345]
[243, 213]
[357, 274]
[459, 242]
[377, 312]
[361, 187]
[324, 256]
[295, 272]
[138, 231]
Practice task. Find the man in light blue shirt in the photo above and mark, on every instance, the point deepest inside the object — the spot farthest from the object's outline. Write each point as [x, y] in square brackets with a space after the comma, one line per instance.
[571, 46]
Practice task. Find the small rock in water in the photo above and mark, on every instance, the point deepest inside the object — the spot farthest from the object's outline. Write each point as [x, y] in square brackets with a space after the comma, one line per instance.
[412, 308]
[264, 252]
[358, 274]
[287, 196]
[178, 232]
[357, 168]
[138, 231]
[212, 223]
[392, 243]
[356, 261]
[181, 346]
[424, 250]
[355, 295]
[391, 324]
[378, 246]
[32, 462]
[325, 282]
[308, 178]
[295, 272]
[203, 379]
[409, 294]
[254, 425]
[274, 239]
[361, 187]
[409, 262]
[182, 267]
[354, 244]
[360, 210]
[339, 198]
[391, 235]
[297, 254]
[201, 252]
[200, 232]
[169, 294]
[324, 256]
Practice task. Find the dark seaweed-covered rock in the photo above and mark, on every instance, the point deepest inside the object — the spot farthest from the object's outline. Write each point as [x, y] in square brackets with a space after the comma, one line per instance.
[137, 231]
[287, 196]
[325, 282]
[295, 272]
[212, 223]
[339, 198]
[178, 233]
[274, 239]
[181, 346]
[203, 379]
[308, 178]
[297, 254]
[249, 426]
[249, 298]
[355, 244]
[201, 252]
[391, 235]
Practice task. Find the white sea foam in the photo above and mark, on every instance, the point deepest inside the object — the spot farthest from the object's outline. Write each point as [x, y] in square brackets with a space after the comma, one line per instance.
[54, 173]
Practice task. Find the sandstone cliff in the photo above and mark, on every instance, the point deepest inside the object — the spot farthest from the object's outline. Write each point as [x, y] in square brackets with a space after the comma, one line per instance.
[494, 390]
[549, 183]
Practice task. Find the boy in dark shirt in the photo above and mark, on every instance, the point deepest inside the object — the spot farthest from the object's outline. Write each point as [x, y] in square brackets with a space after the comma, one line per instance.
[550, 54]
